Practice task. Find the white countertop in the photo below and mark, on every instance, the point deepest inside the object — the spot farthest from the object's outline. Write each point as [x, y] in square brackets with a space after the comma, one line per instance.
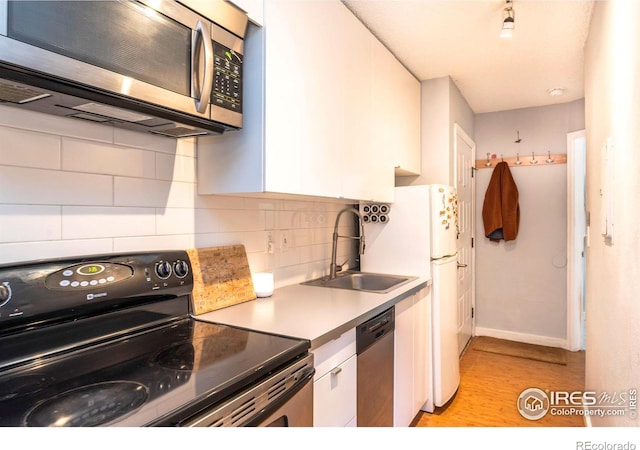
[318, 314]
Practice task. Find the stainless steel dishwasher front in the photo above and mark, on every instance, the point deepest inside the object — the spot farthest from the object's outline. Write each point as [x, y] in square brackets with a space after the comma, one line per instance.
[374, 347]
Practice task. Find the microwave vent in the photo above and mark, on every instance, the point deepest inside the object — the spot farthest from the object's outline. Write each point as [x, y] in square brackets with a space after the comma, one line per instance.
[179, 132]
[112, 112]
[91, 117]
[19, 94]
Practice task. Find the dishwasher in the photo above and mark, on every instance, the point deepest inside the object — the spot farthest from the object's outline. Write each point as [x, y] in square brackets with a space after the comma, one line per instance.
[374, 348]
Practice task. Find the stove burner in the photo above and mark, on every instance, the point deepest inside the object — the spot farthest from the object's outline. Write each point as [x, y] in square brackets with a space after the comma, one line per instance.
[88, 406]
[177, 357]
[27, 384]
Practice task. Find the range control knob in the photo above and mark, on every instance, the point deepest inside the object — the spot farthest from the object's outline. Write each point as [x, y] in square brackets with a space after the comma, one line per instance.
[163, 270]
[5, 293]
[181, 269]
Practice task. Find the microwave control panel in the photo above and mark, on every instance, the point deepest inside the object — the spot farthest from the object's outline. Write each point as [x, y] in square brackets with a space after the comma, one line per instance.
[227, 78]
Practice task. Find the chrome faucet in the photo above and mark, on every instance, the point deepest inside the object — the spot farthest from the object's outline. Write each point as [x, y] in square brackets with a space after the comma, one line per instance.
[334, 268]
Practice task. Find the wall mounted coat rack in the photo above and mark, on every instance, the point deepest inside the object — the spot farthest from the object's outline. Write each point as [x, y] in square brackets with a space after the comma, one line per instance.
[522, 161]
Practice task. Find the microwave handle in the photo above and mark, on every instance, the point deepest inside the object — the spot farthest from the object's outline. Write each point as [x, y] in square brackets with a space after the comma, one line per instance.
[207, 83]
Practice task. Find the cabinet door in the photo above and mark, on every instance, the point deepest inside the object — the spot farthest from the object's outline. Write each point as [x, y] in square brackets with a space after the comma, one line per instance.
[407, 104]
[334, 396]
[422, 348]
[304, 124]
[396, 97]
[367, 175]
[403, 412]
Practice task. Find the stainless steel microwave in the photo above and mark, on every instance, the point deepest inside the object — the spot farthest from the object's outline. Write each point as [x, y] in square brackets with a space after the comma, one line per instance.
[147, 65]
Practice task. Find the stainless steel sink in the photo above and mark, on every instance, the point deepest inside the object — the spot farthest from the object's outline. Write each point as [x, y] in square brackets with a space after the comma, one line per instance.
[362, 281]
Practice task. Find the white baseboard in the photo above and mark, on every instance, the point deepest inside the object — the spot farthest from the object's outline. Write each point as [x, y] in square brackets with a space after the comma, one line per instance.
[521, 337]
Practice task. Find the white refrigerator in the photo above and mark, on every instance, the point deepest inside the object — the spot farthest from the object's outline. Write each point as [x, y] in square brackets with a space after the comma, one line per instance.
[419, 238]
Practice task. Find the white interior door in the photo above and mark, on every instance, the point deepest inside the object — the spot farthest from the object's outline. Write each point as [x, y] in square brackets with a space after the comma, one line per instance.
[465, 150]
[577, 239]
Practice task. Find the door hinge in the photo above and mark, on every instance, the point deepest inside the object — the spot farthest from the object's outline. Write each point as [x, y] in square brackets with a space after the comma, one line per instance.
[473, 169]
[472, 242]
[473, 312]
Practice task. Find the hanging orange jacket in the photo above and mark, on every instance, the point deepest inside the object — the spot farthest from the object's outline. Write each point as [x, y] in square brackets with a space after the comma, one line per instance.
[501, 211]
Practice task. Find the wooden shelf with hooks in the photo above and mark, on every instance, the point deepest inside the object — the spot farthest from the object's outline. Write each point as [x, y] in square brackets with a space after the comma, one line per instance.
[525, 161]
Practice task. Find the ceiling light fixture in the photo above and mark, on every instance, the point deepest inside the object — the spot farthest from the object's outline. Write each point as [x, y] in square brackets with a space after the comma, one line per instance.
[555, 92]
[509, 22]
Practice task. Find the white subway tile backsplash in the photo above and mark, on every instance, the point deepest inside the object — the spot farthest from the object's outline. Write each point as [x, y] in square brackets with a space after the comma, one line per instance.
[284, 276]
[285, 220]
[175, 220]
[289, 258]
[83, 222]
[29, 149]
[206, 221]
[32, 250]
[49, 187]
[242, 220]
[96, 157]
[320, 252]
[175, 167]
[152, 193]
[266, 204]
[253, 241]
[322, 235]
[76, 188]
[270, 220]
[187, 147]
[301, 237]
[305, 254]
[181, 195]
[219, 202]
[148, 141]
[19, 223]
[239, 220]
[62, 126]
[257, 262]
[152, 243]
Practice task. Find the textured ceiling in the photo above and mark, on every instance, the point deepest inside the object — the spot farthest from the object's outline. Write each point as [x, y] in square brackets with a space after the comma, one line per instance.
[461, 39]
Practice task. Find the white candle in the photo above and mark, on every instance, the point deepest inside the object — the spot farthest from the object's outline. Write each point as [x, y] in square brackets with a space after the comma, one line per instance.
[263, 284]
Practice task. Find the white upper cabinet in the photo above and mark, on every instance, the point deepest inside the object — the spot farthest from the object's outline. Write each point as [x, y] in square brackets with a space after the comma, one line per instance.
[304, 118]
[309, 111]
[253, 8]
[396, 104]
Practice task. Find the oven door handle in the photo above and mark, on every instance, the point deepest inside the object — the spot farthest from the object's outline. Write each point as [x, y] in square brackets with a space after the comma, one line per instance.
[302, 378]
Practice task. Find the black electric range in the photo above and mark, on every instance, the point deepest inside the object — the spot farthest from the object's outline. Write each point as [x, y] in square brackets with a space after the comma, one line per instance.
[107, 340]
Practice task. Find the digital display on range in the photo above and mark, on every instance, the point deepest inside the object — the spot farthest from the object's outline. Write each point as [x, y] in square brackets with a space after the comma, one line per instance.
[91, 269]
[88, 275]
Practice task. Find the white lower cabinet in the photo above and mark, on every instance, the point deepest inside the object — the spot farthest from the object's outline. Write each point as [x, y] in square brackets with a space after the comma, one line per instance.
[334, 394]
[335, 380]
[411, 356]
[334, 385]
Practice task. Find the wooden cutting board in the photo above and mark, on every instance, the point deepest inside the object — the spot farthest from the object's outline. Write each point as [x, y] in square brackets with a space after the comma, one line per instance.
[221, 277]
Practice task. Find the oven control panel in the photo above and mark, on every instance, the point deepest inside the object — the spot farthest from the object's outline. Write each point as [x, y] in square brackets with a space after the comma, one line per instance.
[38, 290]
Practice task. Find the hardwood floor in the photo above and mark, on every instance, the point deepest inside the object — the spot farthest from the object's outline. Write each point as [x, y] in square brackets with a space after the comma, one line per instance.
[491, 383]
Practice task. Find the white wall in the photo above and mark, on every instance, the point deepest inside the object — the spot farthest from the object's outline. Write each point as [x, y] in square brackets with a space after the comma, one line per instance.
[69, 187]
[459, 113]
[521, 284]
[613, 267]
